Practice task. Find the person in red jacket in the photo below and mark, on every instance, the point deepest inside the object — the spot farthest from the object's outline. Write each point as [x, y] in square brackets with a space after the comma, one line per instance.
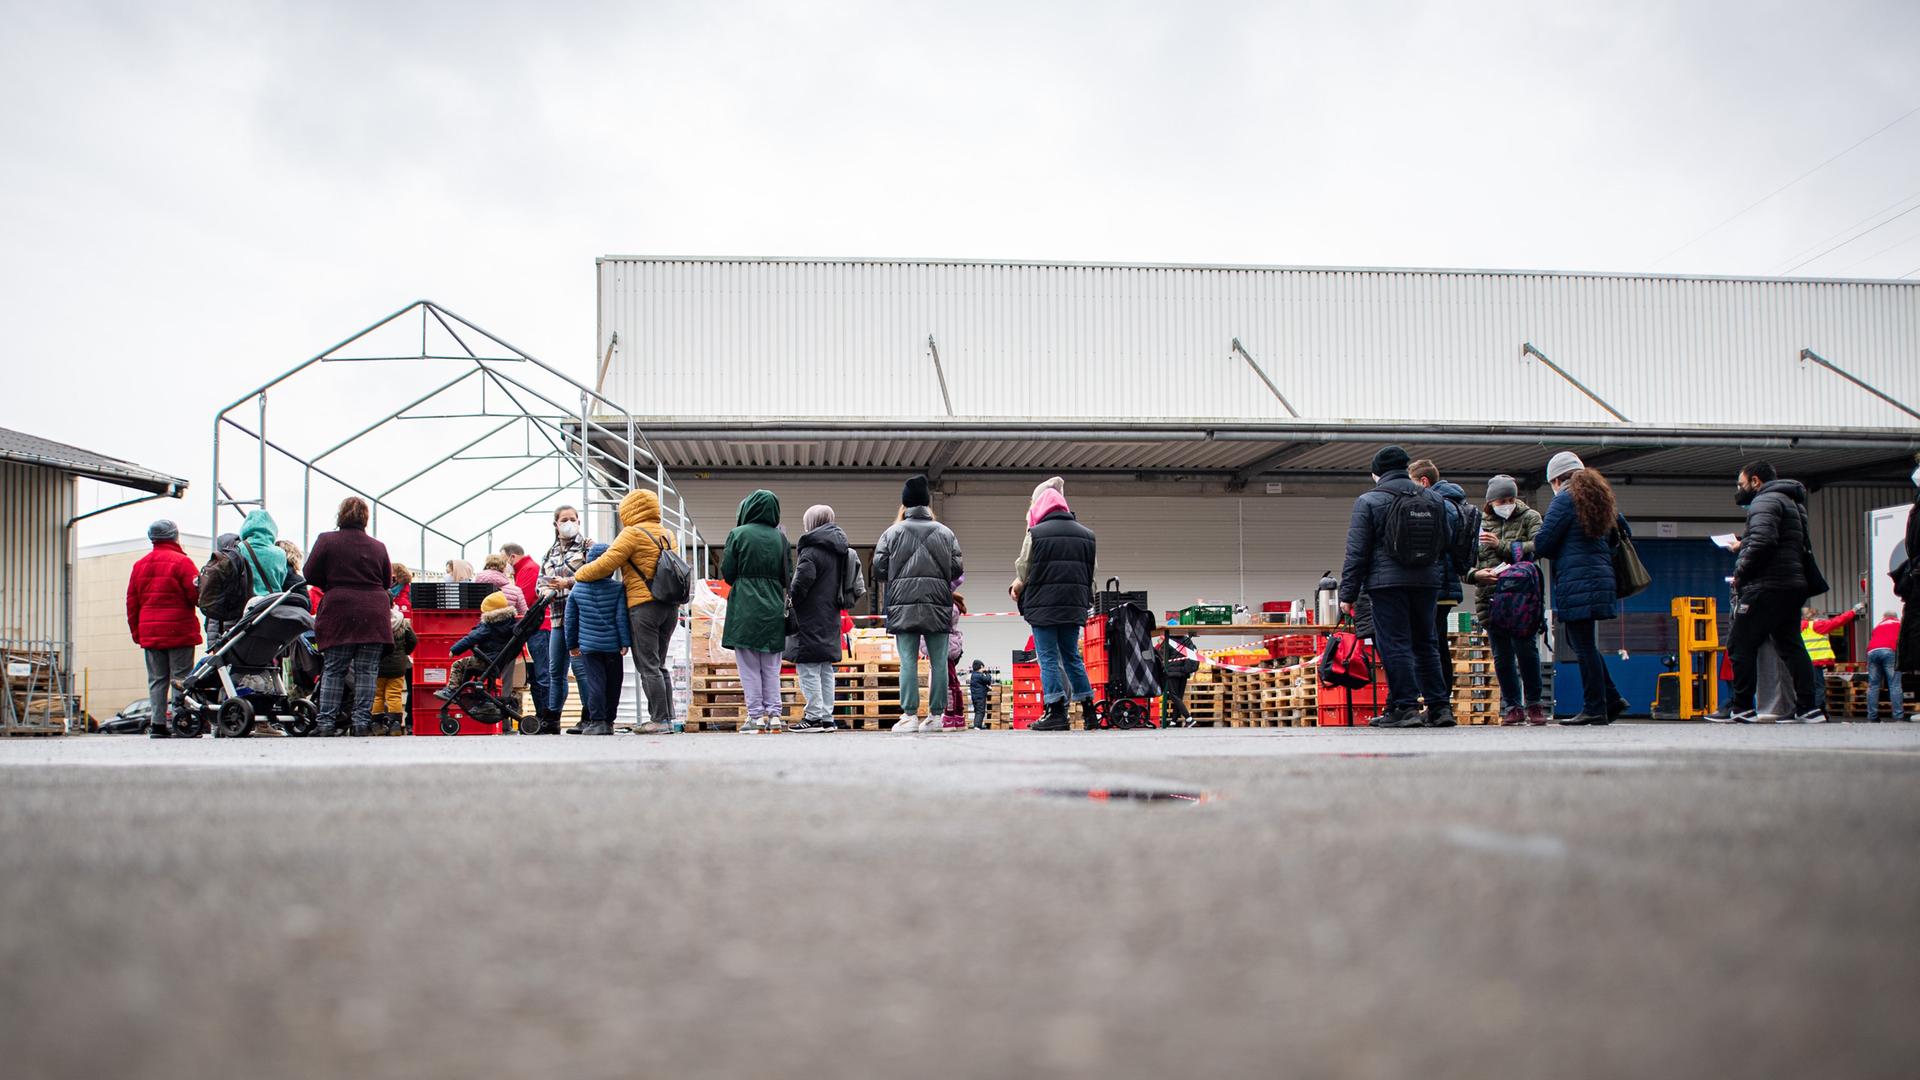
[1814, 633]
[162, 593]
[1882, 670]
[526, 577]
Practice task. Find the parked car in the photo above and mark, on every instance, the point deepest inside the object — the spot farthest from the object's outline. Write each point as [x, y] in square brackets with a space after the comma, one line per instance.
[131, 720]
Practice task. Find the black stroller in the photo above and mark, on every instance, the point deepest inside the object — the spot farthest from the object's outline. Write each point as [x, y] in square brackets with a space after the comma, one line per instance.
[481, 695]
[239, 681]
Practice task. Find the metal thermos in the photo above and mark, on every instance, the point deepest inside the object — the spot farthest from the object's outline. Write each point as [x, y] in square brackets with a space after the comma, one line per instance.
[1326, 600]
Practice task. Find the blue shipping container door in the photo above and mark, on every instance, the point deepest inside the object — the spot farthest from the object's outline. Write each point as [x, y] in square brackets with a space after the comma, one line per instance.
[1646, 632]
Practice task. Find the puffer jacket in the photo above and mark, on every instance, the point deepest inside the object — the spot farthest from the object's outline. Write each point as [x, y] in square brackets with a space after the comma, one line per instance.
[596, 615]
[1367, 565]
[1058, 590]
[163, 599]
[758, 563]
[634, 552]
[488, 639]
[979, 686]
[919, 560]
[1520, 529]
[395, 659]
[516, 600]
[1452, 589]
[1583, 582]
[815, 595]
[1773, 551]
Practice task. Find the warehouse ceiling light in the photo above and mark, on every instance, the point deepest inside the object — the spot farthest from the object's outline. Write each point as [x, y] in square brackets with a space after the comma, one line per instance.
[499, 405]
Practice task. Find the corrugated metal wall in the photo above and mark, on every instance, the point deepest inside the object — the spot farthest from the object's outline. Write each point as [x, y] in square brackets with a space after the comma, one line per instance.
[832, 338]
[35, 506]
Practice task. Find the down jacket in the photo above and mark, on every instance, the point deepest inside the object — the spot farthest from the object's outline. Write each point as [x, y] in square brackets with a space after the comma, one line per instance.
[1452, 590]
[352, 568]
[1058, 590]
[163, 599]
[1519, 528]
[1773, 551]
[919, 560]
[815, 595]
[758, 563]
[596, 615]
[489, 638]
[396, 659]
[1907, 655]
[1368, 566]
[636, 551]
[1583, 582]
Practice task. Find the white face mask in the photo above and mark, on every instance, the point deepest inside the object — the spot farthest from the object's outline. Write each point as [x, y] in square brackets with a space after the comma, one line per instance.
[569, 529]
[1376, 477]
[1916, 478]
[1505, 510]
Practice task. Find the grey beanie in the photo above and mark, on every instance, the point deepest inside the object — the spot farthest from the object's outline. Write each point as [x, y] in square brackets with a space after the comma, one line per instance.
[163, 530]
[1564, 462]
[1502, 487]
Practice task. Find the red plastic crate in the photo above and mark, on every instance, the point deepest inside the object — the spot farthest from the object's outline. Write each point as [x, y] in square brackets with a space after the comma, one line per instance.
[1096, 632]
[426, 715]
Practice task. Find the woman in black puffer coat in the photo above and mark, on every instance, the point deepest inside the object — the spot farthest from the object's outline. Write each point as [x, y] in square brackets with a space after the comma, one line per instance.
[814, 646]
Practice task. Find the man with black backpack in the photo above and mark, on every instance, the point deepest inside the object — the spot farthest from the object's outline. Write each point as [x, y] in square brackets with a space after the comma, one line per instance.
[1463, 531]
[1397, 543]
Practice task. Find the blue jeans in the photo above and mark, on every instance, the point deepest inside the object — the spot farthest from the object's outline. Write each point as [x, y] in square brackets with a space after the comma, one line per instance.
[538, 680]
[1403, 633]
[558, 663]
[1516, 663]
[1882, 671]
[1062, 673]
[601, 675]
[1595, 683]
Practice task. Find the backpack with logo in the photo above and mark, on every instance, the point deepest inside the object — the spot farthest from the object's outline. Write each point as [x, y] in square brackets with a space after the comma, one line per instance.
[672, 580]
[1416, 528]
[1344, 662]
[853, 582]
[1517, 606]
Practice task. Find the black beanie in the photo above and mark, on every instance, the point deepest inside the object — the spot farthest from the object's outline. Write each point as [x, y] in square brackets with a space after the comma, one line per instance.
[1390, 459]
[915, 492]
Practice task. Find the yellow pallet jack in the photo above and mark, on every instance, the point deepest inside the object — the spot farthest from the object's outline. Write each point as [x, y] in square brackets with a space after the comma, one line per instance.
[1692, 689]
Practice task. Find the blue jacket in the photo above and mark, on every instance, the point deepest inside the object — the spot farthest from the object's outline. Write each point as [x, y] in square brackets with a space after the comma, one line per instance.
[596, 619]
[1451, 591]
[981, 684]
[488, 639]
[1368, 566]
[1583, 585]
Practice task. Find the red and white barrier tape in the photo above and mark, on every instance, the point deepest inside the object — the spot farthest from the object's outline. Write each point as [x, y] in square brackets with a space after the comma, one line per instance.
[1208, 661]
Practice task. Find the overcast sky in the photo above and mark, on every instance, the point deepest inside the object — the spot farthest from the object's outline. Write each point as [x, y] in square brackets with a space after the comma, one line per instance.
[200, 195]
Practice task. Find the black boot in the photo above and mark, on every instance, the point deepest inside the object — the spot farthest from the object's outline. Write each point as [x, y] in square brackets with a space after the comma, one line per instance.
[1087, 720]
[160, 729]
[1054, 719]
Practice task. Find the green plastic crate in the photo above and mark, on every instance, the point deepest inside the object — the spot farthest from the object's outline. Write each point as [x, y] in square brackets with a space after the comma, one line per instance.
[1206, 615]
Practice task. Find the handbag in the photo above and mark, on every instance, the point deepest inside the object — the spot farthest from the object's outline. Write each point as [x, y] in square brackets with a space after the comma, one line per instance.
[1902, 576]
[1630, 577]
[1816, 581]
[1344, 663]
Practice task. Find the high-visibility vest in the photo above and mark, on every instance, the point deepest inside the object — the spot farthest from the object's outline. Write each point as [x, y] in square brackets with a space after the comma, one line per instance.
[1819, 649]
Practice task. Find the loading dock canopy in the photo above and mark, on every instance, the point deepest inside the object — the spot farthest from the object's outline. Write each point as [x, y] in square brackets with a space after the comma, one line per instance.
[1239, 453]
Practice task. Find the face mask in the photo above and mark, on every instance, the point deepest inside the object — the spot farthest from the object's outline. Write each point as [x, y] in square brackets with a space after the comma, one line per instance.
[1505, 510]
[1376, 477]
[1915, 478]
[1744, 496]
[569, 529]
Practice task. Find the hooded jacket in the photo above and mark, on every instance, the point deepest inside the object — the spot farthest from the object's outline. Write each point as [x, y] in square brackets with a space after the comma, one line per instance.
[815, 594]
[636, 551]
[919, 560]
[489, 638]
[395, 659]
[1058, 587]
[1452, 591]
[162, 599]
[596, 615]
[266, 563]
[516, 599]
[1520, 527]
[758, 563]
[1773, 551]
[1583, 582]
[352, 568]
[1367, 565]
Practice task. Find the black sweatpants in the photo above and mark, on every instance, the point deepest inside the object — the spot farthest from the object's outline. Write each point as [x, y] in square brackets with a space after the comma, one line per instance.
[1768, 615]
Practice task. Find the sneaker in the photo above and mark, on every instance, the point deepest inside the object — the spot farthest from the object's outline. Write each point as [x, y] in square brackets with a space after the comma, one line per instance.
[1514, 716]
[1401, 718]
[953, 723]
[906, 725]
[1537, 715]
[1810, 716]
[445, 693]
[652, 727]
[1441, 718]
[804, 726]
[1731, 715]
[751, 726]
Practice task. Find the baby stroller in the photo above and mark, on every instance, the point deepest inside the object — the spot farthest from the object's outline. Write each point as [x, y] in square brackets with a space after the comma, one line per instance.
[239, 681]
[481, 694]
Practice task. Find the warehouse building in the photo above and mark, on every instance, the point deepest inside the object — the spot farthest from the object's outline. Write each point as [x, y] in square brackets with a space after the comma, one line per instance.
[1214, 423]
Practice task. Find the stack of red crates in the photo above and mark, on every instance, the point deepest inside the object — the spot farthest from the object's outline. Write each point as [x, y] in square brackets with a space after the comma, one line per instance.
[437, 631]
[1341, 707]
[1028, 702]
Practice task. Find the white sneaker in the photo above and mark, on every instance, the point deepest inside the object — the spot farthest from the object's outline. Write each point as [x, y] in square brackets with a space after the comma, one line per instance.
[750, 726]
[906, 725]
[1811, 716]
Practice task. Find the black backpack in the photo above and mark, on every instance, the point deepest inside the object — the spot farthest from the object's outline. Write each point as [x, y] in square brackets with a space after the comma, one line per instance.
[225, 588]
[672, 578]
[1464, 545]
[853, 582]
[1416, 530]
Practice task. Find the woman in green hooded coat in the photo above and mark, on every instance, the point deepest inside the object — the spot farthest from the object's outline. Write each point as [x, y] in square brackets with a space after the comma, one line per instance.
[758, 563]
[266, 563]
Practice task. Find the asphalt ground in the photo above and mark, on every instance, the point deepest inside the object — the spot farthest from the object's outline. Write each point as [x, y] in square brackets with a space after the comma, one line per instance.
[1639, 900]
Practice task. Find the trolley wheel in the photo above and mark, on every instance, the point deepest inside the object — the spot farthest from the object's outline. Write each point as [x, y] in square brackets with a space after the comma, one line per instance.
[235, 720]
[302, 717]
[1128, 714]
[1101, 717]
[449, 723]
[532, 725]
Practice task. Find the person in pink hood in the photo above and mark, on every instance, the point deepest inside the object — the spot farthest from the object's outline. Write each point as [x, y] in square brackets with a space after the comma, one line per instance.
[497, 573]
[1053, 587]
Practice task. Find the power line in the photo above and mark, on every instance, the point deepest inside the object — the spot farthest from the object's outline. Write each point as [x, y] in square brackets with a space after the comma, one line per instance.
[1856, 236]
[1910, 273]
[1897, 243]
[1783, 187]
[1895, 204]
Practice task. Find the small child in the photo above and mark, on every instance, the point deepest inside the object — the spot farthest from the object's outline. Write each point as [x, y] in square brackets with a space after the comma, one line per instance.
[488, 639]
[954, 717]
[499, 573]
[598, 636]
[390, 690]
[981, 684]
